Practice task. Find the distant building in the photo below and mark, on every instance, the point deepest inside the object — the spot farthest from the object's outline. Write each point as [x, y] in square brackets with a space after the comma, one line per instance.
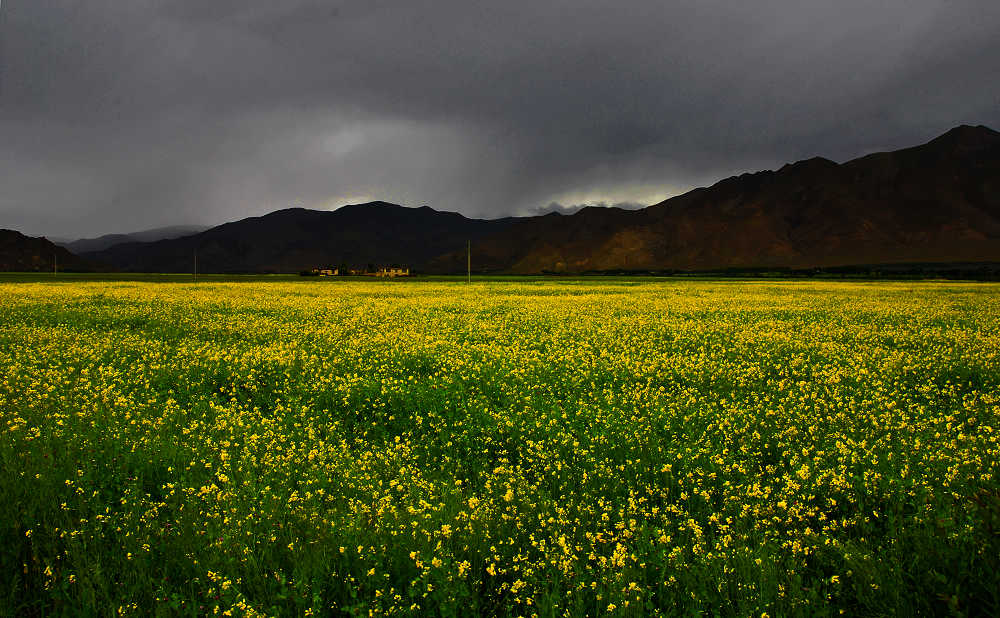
[326, 272]
[392, 271]
[379, 271]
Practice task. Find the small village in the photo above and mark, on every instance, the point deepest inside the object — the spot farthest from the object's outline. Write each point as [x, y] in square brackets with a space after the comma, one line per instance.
[381, 271]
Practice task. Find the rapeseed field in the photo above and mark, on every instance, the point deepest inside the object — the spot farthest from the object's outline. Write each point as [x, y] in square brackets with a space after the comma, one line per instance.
[549, 448]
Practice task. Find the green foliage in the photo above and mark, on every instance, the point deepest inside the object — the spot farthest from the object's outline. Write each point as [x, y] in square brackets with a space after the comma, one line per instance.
[507, 448]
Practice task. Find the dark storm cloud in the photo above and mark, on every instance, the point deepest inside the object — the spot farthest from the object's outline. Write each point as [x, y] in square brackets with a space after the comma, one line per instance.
[116, 115]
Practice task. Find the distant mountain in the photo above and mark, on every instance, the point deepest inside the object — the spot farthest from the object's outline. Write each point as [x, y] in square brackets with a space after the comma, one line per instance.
[939, 202]
[296, 239]
[20, 253]
[85, 245]
[934, 203]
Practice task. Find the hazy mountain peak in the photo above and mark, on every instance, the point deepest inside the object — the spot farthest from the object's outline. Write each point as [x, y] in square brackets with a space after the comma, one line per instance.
[84, 245]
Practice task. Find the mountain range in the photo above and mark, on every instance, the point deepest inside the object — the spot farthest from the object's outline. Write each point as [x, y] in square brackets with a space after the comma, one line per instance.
[938, 202]
[934, 203]
[296, 239]
[85, 245]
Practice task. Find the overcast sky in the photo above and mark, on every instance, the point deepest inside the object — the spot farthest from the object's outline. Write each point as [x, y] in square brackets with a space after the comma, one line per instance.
[120, 115]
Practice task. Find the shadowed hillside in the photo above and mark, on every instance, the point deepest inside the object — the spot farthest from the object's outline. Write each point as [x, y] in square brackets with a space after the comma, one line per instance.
[296, 239]
[20, 253]
[939, 202]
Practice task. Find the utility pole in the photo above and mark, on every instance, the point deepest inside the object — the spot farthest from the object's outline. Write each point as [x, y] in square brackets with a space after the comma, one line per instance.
[195, 264]
[469, 262]
[55, 264]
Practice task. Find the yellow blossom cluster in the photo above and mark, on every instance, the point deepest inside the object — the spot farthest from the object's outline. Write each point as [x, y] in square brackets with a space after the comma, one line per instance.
[550, 447]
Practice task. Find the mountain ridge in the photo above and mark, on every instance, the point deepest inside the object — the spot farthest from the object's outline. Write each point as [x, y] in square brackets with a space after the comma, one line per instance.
[294, 239]
[85, 245]
[935, 202]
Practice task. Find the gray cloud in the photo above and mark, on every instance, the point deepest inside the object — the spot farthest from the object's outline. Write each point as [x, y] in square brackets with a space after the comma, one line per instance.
[116, 116]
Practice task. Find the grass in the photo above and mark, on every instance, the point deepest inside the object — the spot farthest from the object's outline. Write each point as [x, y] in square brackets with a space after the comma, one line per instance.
[274, 446]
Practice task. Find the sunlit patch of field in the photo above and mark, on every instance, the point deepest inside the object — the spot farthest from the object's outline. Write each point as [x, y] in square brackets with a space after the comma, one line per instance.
[504, 448]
